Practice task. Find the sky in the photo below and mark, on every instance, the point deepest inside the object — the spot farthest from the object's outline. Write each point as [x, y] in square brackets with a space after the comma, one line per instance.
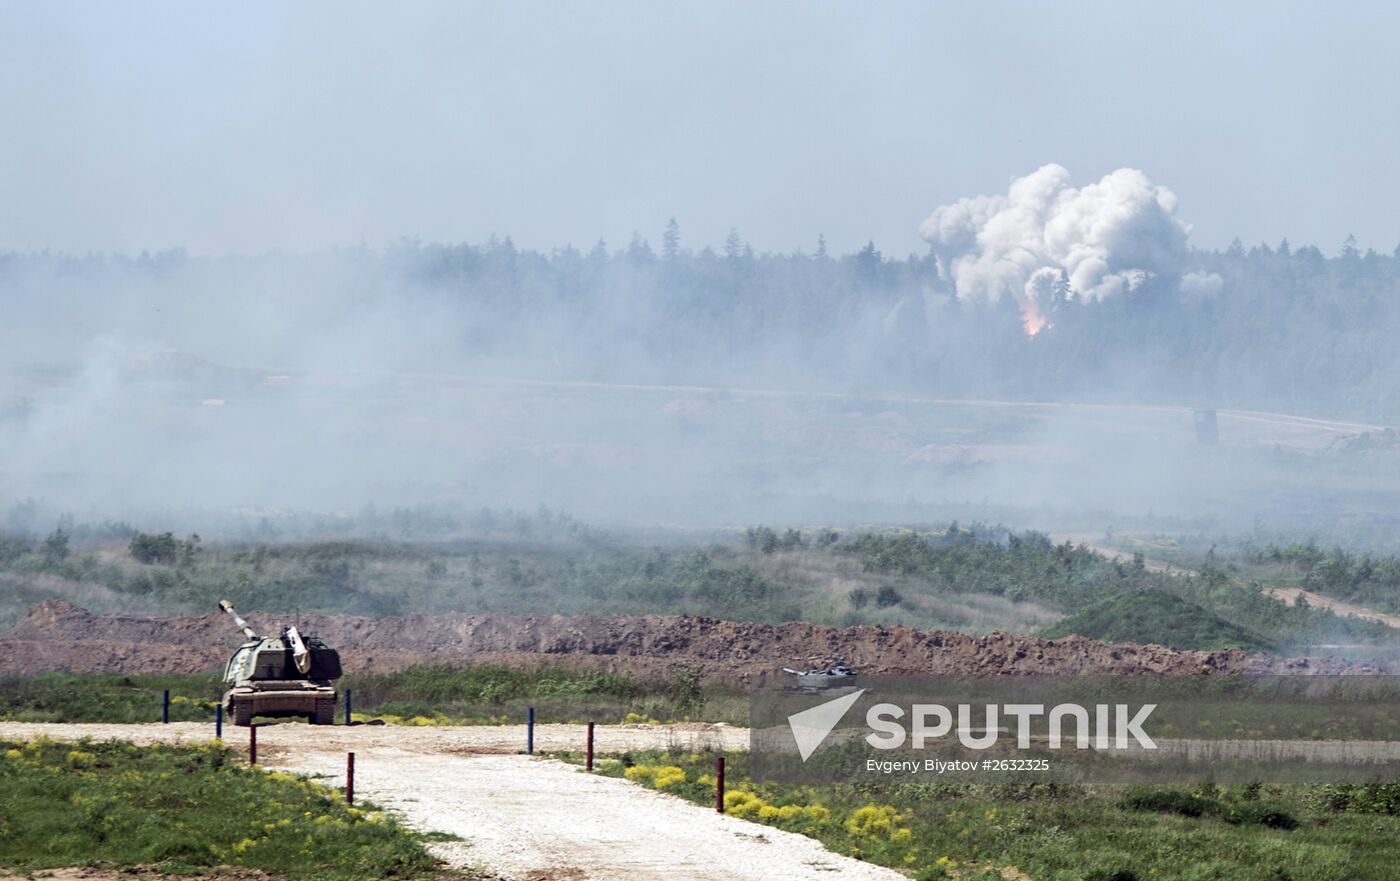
[258, 126]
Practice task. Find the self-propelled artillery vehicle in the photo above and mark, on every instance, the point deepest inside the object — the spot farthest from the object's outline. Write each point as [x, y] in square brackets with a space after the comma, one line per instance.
[837, 674]
[280, 676]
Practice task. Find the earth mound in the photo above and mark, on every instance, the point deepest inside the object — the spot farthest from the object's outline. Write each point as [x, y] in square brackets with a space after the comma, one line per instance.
[57, 635]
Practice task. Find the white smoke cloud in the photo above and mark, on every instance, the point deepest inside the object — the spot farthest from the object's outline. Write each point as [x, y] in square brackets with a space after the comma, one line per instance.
[1045, 237]
[1201, 284]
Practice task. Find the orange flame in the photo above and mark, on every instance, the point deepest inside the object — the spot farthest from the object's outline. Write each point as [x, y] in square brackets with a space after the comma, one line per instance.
[1032, 319]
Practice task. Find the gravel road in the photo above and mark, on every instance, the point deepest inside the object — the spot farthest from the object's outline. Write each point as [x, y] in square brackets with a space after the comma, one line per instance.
[526, 818]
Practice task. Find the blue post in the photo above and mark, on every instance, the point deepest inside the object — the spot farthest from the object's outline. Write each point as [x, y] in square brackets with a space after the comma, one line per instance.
[218, 721]
[165, 708]
[347, 706]
[530, 732]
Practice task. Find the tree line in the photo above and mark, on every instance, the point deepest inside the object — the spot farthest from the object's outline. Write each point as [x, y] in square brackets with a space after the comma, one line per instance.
[1289, 329]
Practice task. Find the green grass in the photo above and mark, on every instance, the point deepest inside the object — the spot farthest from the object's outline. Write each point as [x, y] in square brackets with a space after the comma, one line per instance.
[1063, 833]
[102, 697]
[491, 693]
[185, 809]
[475, 694]
[1155, 616]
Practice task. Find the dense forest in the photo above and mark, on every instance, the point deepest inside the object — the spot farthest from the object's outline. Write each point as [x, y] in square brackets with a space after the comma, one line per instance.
[1284, 329]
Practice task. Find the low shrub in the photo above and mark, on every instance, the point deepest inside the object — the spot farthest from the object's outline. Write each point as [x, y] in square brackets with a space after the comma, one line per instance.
[1195, 804]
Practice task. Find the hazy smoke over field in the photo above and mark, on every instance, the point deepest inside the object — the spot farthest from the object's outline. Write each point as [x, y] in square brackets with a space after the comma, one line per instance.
[1045, 238]
[686, 385]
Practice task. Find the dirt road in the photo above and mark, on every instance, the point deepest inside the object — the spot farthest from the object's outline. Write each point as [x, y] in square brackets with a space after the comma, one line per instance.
[1291, 595]
[1084, 539]
[523, 818]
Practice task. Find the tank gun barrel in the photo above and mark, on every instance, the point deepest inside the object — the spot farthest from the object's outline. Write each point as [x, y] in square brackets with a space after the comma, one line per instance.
[247, 629]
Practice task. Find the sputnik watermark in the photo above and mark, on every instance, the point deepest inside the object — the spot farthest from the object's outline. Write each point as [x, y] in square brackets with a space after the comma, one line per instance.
[1112, 725]
[925, 767]
[810, 727]
[1079, 729]
[892, 734]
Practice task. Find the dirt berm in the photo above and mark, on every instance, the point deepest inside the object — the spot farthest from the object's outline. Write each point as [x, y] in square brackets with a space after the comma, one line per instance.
[57, 635]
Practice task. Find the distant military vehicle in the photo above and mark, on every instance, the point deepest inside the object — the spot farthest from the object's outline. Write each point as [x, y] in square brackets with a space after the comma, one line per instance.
[836, 674]
[287, 675]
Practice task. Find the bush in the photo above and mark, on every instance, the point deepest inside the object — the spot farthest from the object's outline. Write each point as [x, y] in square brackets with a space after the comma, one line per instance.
[56, 548]
[149, 549]
[1369, 798]
[1111, 875]
[1189, 804]
[887, 596]
[1164, 801]
[685, 692]
[1258, 814]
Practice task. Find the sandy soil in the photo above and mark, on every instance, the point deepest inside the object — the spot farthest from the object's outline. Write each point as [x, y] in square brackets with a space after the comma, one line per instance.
[526, 818]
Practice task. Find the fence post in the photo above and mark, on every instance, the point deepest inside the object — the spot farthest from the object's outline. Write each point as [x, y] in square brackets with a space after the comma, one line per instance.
[719, 784]
[530, 732]
[347, 706]
[590, 746]
[165, 707]
[350, 778]
[218, 721]
[252, 744]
